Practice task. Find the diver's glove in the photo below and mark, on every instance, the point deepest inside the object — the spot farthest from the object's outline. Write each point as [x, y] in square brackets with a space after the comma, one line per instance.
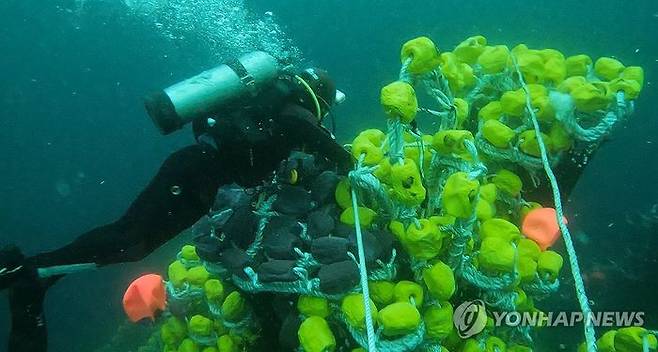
[13, 266]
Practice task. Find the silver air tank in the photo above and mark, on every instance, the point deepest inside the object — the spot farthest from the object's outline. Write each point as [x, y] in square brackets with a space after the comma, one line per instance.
[203, 94]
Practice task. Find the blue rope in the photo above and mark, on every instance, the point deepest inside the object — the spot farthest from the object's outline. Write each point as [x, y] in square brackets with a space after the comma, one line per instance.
[590, 335]
[372, 340]
[645, 340]
[395, 137]
[405, 75]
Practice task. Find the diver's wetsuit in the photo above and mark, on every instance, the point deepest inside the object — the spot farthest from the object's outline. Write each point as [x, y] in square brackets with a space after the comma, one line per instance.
[246, 147]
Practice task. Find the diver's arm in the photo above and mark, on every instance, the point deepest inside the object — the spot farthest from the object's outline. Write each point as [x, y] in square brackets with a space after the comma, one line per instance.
[182, 191]
[302, 126]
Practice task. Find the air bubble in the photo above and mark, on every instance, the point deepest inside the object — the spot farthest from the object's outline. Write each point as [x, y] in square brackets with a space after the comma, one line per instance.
[176, 190]
[224, 27]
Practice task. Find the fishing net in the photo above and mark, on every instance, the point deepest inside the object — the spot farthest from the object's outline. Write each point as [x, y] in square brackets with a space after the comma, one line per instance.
[441, 239]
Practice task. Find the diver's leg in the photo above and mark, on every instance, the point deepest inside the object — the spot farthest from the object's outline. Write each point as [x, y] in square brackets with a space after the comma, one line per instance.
[182, 191]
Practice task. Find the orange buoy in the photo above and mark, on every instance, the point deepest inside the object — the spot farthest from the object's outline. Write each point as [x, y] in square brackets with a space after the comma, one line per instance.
[540, 225]
[144, 297]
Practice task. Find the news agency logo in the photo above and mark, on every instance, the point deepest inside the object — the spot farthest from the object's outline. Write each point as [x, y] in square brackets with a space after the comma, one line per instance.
[470, 318]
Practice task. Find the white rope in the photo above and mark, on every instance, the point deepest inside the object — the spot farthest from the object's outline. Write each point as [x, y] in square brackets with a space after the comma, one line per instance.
[590, 335]
[372, 340]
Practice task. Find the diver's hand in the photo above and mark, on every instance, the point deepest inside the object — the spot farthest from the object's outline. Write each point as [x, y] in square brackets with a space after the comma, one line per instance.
[28, 324]
[26, 294]
[12, 266]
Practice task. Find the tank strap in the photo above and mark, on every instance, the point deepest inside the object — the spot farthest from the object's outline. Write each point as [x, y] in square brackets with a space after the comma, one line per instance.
[245, 77]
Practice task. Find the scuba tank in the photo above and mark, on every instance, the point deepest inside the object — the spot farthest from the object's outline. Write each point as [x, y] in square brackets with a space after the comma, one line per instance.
[204, 94]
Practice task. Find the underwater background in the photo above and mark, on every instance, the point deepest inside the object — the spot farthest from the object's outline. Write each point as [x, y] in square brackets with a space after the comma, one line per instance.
[77, 146]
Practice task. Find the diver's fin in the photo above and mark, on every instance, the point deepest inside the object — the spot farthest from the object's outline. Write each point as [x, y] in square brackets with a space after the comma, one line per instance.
[28, 324]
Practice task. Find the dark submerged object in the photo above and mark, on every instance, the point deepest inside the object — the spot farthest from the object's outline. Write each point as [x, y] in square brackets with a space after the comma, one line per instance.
[241, 227]
[376, 246]
[233, 196]
[294, 201]
[283, 304]
[338, 277]
[209, 247]
[320, 224]
[277, 271]
[343, 230]
[328, 250]
[288, 333]
[235, 260]
[324, 187]
[281, 236]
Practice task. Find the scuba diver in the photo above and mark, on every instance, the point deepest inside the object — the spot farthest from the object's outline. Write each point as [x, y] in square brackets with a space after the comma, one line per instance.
[248, 115]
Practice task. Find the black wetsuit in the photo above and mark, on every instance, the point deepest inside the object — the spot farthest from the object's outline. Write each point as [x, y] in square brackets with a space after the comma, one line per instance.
[245, 146]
